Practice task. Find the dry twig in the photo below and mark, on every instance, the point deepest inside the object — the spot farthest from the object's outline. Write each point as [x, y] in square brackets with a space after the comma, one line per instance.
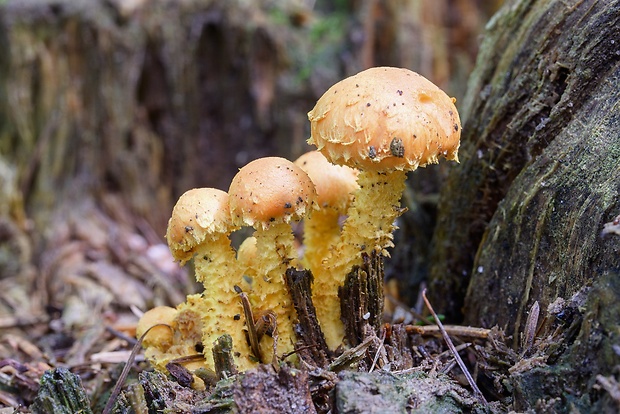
[455, 353]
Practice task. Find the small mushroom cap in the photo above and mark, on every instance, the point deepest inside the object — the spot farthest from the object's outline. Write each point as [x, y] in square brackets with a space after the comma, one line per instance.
[270, 190]
[158, 336]
[334, 184]
[198, 214]
[384, 119]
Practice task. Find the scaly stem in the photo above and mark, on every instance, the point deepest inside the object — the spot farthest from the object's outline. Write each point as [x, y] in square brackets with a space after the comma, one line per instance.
[369, 226]
[276, 245]
[220, 306]
[321, 235]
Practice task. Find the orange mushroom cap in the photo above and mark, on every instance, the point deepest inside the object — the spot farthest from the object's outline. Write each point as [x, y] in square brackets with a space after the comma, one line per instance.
[270, 190]
[334, 184]
[197, 214]
[383, 119]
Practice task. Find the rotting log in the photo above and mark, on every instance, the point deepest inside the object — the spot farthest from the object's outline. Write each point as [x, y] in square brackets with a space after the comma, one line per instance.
[382, 392]
[361, 299]
[263, 390]
[537, 135]
[520, 220]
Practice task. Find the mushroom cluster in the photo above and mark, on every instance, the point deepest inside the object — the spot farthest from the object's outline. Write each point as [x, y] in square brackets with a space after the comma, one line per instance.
[370, 130]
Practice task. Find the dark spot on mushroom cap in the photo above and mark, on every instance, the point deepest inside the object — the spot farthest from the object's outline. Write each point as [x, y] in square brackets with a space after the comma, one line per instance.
[287, 205]
[397, 148]
[456, 127]
[368, 104]
[188, 229]
[372, 152]
[400, 92]
[237, 317]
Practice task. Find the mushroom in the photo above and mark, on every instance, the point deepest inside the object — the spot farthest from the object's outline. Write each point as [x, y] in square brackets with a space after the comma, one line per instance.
[199, 228]
[267, 194]
[173, 335]
[334, 187]
[152, 322]
[385, 122]
[158, 338]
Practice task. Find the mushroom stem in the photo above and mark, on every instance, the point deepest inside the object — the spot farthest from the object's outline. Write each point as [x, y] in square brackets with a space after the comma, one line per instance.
[220, 307]
[321, 236]
[276, 245]
[370, 222]
[322, 232]
[369, 226]
[335, 186]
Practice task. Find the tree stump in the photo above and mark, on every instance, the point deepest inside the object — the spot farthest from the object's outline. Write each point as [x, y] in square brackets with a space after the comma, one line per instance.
[521, 219]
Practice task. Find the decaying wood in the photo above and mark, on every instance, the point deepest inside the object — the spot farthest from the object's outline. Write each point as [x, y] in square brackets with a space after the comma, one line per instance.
[382, 392]
[361, 298]
[61, 392]
[311, 346]
[538, 174]
[265, 391]
[522, 216]
[223, 357]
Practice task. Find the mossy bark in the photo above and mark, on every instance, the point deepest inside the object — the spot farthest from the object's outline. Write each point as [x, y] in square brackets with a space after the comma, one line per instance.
[61, 392]
[539, 132]
[382, 392]
[520, 219]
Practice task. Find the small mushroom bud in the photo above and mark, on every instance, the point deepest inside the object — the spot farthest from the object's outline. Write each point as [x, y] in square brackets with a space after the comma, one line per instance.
[153, 323]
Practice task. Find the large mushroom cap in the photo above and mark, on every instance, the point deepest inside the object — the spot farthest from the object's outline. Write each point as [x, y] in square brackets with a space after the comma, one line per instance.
[335, 184]
[385, 118]
[197, 215]
[270, 190]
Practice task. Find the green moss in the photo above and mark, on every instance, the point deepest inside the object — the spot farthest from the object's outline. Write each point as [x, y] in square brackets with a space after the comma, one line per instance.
[61, 392]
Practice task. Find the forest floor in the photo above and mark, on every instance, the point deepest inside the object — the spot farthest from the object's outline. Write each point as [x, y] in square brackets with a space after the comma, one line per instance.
[104, 289]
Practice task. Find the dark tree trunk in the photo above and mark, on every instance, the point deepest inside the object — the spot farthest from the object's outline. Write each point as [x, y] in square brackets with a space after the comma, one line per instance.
[540, 107]
[521, 219]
